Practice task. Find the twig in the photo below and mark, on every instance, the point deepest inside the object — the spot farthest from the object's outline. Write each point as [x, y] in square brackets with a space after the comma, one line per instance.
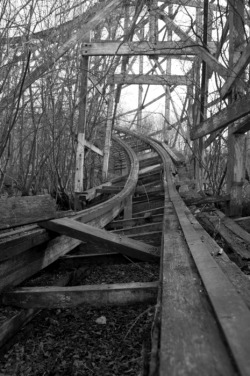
[137, 319]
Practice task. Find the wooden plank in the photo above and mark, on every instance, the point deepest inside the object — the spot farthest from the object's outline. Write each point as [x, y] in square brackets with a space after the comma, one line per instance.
[15, 244]
[156, 226]
[94, 295]
[207, 200]
[18, 268]
[16, 211]
[92, 147]
[124, 223]
[91, 234]
[146, 206]
[151, 237]
[237, 70]
[149, 211]
[190, 342]
[240, 280]
[242, 125]
[149, 155]
[110, 48]
[238, 244]
[230, 310]
[227, 116]
[149, 161]
[144, 79]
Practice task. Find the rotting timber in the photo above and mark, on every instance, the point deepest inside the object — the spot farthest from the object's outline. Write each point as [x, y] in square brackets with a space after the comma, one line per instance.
[201, 322]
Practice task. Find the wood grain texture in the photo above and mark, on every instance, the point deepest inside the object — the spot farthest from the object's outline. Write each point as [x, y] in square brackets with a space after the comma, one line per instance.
[16, 211]
[109, 48]
[94, 295]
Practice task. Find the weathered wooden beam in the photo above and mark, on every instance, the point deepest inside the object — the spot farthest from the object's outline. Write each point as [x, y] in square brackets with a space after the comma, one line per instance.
[195, 4]
[228, 115]
[237, 71]
[91, 234]
[92, 147]
[16, 211]
[140, 229]
[148, 211]
[15, 244]
[109, 48]
[230, 309]
[235, 242]
[140, 79]
[95, 295]
[24, 265]
[242, 125]
[151, 237]
[133, 222]
[207, 200]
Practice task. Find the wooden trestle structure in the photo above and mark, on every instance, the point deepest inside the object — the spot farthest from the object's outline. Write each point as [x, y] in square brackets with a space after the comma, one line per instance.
[202, 299]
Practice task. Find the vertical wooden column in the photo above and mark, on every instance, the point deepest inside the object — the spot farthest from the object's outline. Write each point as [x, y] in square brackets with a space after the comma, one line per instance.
[198, 144]
[107, 144]
[168, 94]
[236, 142]
[79, 173]
[153, 21]
[140, 88]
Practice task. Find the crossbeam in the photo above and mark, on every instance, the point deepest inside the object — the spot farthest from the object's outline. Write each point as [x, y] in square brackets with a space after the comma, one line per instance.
[138, 79]
[117, 243]
[95, 295]
[92, 147]
[109, 48]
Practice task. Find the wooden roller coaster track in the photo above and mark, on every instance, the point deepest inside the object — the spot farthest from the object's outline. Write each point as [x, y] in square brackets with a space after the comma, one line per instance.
[202, 322]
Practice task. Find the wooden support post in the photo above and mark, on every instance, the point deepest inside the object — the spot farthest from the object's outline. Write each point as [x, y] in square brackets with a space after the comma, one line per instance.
[153, 21]
[140, 89]
[168, 94]
[107, 144]
[79, 174]
[236, 142]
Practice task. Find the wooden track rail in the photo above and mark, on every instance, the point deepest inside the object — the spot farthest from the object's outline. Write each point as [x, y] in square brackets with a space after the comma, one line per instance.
[202, 323]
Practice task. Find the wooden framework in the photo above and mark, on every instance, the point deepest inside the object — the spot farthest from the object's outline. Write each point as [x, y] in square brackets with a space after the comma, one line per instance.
[143, 25]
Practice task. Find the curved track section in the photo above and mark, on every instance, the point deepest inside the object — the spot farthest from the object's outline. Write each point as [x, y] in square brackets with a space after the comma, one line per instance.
[201, 324]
